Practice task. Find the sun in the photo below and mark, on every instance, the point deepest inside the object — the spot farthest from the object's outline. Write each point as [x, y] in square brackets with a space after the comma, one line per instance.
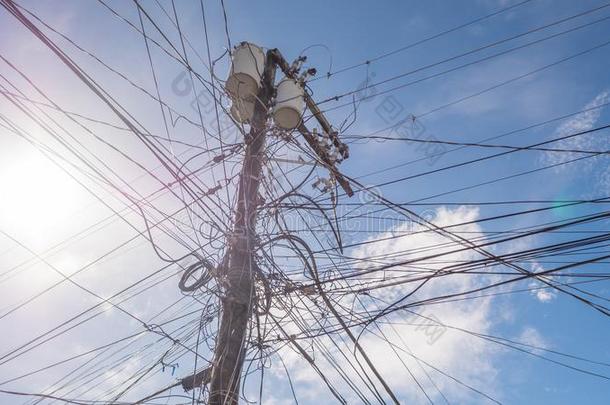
[36, 195]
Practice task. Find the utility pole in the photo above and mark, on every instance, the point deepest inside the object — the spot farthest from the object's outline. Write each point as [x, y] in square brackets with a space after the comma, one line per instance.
[237, 303]
[239, 264]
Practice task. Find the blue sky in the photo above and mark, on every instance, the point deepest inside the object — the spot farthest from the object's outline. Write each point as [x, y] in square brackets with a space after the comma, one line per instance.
[40, 210]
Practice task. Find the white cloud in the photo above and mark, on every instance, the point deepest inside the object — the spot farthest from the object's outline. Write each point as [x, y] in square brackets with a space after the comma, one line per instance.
[407, 346]
[532, 336]
[585, 120]
[603, 180]
[544, 295]
[542, 292]
[581, 122]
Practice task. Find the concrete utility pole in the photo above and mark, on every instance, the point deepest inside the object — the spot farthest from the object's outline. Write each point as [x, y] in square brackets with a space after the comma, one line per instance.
[239, 264]
[237, 304]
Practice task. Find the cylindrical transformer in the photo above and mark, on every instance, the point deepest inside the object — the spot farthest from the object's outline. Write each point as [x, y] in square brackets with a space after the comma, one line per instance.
[242, 110]
[247, 67]
[289, 104]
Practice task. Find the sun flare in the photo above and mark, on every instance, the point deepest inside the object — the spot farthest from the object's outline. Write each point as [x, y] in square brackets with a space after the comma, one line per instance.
[36, 194]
